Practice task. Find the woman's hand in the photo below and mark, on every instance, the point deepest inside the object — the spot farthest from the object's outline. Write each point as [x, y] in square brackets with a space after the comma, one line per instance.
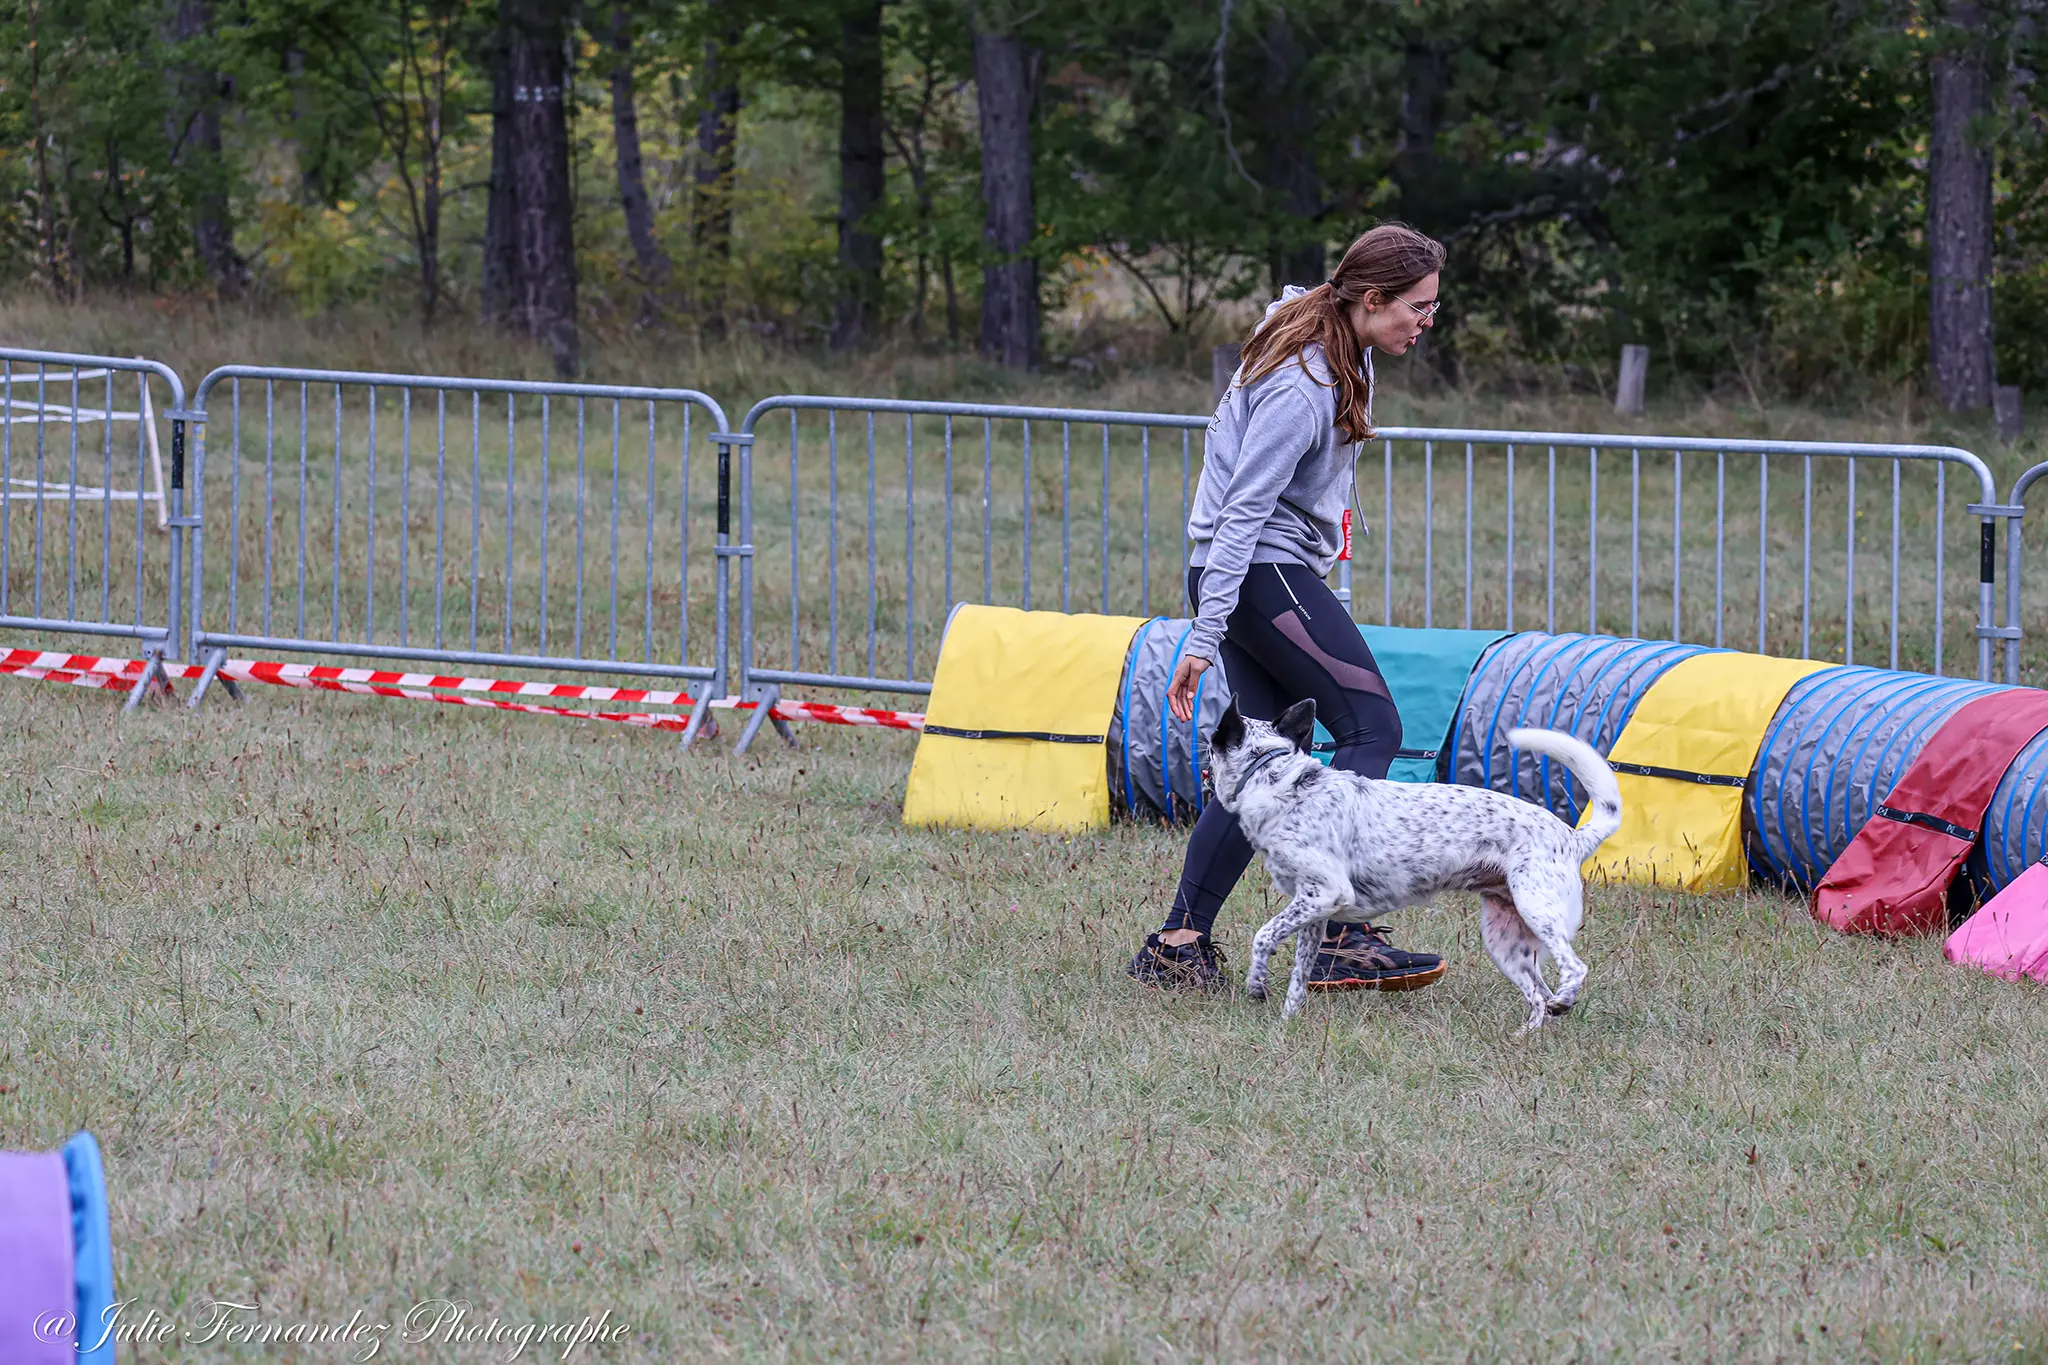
[1180, 693]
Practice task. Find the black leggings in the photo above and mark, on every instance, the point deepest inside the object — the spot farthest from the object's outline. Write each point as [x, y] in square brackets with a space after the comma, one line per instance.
[1289, 638]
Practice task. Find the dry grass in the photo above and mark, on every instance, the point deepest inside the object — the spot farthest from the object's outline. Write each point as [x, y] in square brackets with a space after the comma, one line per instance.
[372, 1004]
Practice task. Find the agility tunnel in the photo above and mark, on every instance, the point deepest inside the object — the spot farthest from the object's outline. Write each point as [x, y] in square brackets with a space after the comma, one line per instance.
[1877, 793]
[1156, 762]
[56, 1256]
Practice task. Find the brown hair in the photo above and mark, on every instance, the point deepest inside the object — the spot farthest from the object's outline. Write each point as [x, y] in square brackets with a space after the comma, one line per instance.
[1383, 261]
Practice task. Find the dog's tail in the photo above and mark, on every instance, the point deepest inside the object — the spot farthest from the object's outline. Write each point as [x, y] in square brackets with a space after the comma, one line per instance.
[1603, 816]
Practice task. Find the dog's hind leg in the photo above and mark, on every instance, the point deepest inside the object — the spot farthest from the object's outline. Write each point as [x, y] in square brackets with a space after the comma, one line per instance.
[1513, 949]
[1552, 910]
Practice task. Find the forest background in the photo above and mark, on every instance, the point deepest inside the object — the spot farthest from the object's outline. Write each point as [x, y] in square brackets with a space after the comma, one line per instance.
[1799, 199]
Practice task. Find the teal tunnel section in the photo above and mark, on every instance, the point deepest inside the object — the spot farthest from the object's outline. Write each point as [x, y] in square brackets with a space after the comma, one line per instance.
[1156, 762]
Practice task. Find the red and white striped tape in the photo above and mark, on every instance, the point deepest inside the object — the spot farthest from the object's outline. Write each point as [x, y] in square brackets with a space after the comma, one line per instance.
[87, 670]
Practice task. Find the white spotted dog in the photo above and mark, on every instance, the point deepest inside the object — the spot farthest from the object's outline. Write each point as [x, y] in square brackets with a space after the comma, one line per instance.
[1349, 848]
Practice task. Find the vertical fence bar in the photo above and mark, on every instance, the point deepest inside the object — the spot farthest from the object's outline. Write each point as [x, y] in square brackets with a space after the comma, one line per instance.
[832, 541]
[1849, 577]
[1387, 536]
[947, 603]
[1593, 541]
[1188, 541]
[404, 499]
[1550, 554]
[1635, 542]
[1940, 518]
[71, 512]
[1145, 521]
[42, 476]
[476, 509]
[988, 510]
[909, 547]
[1677, 539]
[1105, 518]
[1763, 552]
[683, 541]
[1511, 539]
[1720, 537]
[612, 610]
[269, 498]
[1895, 566]
[511, 449]
[1468, 535]
[795, 627]
[872, 613]
[234, 497]
[141, 445]
[576, 633]
[440, 511]
[7, 490]
[1428, 534]
[305, 429]
[1806, 566]
[1027, 514]
[1066, 509]
[370, 532]
[334, 607]
[106, 499]
[647, 576]
[546, 423]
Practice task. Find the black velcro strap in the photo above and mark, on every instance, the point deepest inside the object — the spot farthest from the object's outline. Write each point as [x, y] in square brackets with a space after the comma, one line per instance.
[1926, 821]
[1398, 753]
[1044, 735]
[1678, 774]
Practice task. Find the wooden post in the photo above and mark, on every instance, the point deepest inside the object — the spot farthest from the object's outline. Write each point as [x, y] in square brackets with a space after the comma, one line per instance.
[2007, 413]
[1223, 361]
[1635, 368]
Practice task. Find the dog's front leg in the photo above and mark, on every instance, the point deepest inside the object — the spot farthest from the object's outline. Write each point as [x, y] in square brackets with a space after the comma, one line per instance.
[1310, 907]
[1308, 942]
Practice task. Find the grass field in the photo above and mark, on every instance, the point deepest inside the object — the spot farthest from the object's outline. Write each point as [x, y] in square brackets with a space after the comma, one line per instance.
[373, 1004]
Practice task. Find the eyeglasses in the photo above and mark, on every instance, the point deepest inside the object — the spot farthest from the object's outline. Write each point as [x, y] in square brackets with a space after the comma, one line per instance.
[1427, 310]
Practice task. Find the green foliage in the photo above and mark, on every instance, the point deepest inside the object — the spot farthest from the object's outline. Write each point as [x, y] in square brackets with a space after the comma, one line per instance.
[1740, 183]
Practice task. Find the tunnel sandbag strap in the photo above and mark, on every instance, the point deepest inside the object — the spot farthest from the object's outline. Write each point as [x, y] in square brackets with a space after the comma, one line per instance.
[1894, 876]
[1016, 732]
[1926, 821]
[1043, 736]
[38, 1276]
[1704, 717]
[1677, 774]
[92, 1241]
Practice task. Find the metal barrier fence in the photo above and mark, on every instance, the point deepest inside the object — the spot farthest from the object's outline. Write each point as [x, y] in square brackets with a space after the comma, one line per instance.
[69, 565]
[1473, 528]
[2014, 511]
[556, 526]
[454, 520]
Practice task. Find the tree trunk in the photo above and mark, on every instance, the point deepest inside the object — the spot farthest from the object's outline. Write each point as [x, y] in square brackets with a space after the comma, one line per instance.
[717, 161]
[1005, 78]
[654, 263]
[500, 286]
[197, 150]
[543, 210]
[1959, 217]
[860, 174]
[1288, 160]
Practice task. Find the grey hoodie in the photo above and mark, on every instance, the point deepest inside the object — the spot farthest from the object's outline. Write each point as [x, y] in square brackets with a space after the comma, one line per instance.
[1276, 478]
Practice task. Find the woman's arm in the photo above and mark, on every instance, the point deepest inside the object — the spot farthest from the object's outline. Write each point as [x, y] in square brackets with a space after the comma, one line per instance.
[1282, 427]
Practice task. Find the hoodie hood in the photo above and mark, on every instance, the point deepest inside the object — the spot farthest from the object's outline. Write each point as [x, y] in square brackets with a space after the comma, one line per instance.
[1288, 293]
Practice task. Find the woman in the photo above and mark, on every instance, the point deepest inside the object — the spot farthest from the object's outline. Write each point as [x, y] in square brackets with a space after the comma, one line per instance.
[1266, 525]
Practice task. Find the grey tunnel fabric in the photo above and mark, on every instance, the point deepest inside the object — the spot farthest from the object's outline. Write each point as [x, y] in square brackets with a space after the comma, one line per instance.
[1584, 685]
[1839, 742]
[2016, 821]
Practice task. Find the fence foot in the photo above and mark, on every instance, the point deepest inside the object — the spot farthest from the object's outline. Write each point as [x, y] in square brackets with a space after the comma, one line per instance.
[700, 709]
[153, 683]
[214, 659]
[764, 699]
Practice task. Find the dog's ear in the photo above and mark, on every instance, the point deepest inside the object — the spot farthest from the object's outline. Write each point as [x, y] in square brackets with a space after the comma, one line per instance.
[1298, 723]
[1229, 731]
